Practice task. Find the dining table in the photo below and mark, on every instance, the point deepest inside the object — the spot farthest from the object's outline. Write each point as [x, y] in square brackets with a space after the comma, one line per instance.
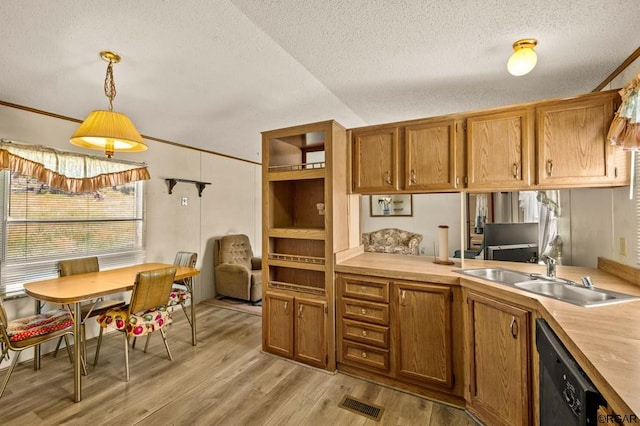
[72, 290]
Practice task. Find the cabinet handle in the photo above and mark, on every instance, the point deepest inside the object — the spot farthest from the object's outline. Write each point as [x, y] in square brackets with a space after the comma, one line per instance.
[364, 289]
[403, 296]
[549, 167]
[515, 170]
[300, 309]
[413, 177]
[364, 354]
[514, 328]
[286, 306]
[364, 333]
[387, 177]
[364, 311]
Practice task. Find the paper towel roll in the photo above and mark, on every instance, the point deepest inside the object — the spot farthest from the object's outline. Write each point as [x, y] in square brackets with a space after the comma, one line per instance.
[443, 252]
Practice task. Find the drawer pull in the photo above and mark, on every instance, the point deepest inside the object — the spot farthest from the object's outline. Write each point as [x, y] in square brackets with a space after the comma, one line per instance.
[364, 333]
[300, 310]
[413, 177]
[364, 311]
[387, 177]
[514, 327]
[286, 305]
[364, 354]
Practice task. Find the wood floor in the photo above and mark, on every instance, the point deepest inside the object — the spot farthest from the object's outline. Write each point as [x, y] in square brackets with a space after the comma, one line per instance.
[225, 380]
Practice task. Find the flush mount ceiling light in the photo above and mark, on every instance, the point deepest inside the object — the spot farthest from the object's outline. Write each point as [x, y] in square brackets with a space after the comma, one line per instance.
[524, 58]
[107, 130]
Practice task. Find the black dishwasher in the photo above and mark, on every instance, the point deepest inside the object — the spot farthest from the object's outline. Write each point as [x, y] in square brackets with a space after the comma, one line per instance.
[567, 396]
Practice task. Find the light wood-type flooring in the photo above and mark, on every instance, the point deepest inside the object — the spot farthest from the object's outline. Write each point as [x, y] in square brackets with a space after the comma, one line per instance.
[224, 380]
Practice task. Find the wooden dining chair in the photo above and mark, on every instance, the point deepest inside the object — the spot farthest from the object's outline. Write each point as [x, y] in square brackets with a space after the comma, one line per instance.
[24, 333]
[87, 310]
[146, 313]
[183, 289]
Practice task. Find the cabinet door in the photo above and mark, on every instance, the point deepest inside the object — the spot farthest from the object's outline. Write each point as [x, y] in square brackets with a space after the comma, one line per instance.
[375, 160]
[422, 326]
[572, 146]
[430, 156]
[498, 351]
[498, 150]
[310, 332]
[277, 324]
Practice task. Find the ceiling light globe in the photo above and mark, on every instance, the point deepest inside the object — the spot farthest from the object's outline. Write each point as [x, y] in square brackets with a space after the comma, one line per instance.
[524, 58]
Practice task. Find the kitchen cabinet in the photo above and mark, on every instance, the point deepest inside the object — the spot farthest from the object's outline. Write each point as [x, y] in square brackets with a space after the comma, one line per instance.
[406, 334]
[305, 221]
[375, 156]
[363, 323]
[422, 323]
[431, 156]
[499, 149]
[572, 148]
[296, 328]
[497, 350]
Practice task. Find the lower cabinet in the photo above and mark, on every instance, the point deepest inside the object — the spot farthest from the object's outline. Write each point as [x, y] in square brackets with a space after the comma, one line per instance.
[421, 316]
[402, 333]
[498, 348]
[295, 327]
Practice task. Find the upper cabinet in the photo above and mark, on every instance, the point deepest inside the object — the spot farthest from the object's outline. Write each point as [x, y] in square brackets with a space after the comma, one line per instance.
[537, 145]
[375, 160]
[430, 156]
[498, 147]
[571, 143]
[420, 157]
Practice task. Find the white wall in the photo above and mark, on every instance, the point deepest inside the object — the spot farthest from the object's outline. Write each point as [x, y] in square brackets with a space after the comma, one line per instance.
[429, 211]
[231, 204]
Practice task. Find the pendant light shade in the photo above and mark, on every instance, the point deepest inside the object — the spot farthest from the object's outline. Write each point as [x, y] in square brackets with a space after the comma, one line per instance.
[108, 130]
[524, 58]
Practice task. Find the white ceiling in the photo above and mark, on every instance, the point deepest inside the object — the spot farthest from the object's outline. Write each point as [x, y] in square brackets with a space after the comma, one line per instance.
[213, 74]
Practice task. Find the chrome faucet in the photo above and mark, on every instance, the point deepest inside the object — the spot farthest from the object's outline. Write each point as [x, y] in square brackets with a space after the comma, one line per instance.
[551, 267]
[587, 283]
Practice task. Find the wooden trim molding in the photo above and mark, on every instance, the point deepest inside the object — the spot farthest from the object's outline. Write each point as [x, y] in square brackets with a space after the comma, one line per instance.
[151, 138]
[620, 270]
[618, 70]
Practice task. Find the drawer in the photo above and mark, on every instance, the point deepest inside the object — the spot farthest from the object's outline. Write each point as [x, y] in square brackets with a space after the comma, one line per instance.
[370, 334]
[376, 313]
[363, 355]
[376, 290]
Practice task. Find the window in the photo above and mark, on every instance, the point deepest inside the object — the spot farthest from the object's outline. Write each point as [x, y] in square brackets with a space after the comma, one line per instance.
[42, 225]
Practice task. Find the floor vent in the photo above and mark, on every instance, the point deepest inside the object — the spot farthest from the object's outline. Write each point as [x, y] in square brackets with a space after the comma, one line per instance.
[371, 411]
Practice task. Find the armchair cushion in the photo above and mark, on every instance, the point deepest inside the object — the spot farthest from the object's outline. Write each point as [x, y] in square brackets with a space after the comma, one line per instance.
[392, 240]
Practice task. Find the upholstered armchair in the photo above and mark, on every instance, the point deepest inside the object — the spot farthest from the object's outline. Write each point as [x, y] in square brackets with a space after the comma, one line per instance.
[392, 240]
[238, 273]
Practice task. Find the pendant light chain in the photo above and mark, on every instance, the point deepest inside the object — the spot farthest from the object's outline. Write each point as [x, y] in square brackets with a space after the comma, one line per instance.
[110, 85]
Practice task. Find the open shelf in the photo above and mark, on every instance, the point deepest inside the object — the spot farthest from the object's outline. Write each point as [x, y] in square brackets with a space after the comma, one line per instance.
[298, 233]
[296, 174]
[294, 204]
[304, 280]
[297, 262]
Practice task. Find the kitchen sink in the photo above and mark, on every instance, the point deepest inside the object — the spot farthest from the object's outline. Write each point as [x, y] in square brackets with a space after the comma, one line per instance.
[556, 288]
[499, 275]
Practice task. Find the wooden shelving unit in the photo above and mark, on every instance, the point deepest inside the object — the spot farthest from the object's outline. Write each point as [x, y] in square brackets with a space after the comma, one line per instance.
[305, 219]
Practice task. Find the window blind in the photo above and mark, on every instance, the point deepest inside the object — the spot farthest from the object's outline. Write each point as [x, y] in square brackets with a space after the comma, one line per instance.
[42, 225]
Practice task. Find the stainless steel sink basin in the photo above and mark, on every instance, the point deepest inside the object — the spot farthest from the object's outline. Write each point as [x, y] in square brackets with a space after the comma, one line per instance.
[499, 275]
[572, 294]
[556, 288]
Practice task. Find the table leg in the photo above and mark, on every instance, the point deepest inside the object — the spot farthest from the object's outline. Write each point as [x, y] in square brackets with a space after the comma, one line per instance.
[36, 348]
[77, 355]
[193, 316]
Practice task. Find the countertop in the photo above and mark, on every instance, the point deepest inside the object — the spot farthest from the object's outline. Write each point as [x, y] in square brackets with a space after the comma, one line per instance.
[604, 340]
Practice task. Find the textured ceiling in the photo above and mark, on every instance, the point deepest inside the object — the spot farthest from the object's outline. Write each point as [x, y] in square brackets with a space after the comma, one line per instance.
[214, 74]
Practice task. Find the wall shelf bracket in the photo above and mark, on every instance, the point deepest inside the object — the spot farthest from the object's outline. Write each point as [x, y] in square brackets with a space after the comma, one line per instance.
[171, 182]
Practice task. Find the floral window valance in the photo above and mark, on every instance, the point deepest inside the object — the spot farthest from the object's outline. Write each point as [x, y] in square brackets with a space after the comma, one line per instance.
[68, 171]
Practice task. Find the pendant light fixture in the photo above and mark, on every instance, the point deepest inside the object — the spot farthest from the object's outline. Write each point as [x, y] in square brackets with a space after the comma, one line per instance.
[524, 58]
[108, 130]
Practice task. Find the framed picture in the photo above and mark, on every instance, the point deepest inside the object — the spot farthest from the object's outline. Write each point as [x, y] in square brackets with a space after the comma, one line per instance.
[391, 205]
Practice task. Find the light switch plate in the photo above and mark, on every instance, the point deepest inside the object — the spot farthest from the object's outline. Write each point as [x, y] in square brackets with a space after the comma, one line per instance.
[185, 201]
